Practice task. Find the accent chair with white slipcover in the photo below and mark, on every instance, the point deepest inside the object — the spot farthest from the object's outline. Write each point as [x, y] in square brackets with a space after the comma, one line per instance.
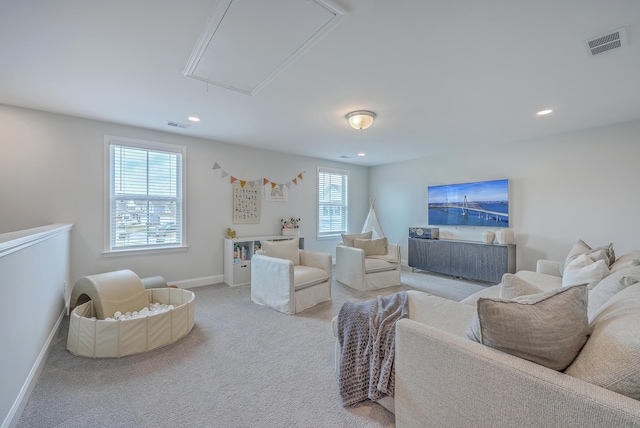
[363, 263]
[288, 279]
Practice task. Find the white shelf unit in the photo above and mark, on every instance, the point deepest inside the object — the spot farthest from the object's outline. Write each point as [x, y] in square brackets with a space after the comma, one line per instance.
[238, 253]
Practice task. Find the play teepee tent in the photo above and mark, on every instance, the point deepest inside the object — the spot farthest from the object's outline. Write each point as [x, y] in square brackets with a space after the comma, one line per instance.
[371, 223]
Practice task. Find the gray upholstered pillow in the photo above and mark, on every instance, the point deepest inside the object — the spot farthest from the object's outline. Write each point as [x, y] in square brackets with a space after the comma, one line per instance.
[284, 249]
[372, 247]
[513, 286]
[546, 328]
[348, 239]
[610, 358]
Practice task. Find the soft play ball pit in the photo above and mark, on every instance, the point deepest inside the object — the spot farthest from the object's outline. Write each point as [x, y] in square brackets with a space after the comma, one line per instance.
[162, 316]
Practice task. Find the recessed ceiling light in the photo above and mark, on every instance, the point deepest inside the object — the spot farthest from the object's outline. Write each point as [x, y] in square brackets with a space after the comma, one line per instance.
[194, 119]
[361, 154]
[544, 112]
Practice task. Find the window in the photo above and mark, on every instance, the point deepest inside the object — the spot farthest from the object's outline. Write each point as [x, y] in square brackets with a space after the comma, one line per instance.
[144, 195]
[333, 202]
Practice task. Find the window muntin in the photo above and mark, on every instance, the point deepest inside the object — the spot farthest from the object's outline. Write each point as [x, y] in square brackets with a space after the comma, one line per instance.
[333, 202]
[145, 195]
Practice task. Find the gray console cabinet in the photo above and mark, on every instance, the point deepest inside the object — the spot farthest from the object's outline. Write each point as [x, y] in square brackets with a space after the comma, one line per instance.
[466, 259]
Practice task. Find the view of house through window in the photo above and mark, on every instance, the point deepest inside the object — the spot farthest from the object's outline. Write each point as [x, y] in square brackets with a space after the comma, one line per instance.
[145, 195]
[333, 201]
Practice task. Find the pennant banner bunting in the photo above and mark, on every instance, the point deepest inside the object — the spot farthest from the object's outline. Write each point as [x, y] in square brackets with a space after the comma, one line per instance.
[258, 182]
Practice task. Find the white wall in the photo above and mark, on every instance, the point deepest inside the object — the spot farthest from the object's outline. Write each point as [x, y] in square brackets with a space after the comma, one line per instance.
[52, 172]
[581, 185]
[563, 188]
[34, 268]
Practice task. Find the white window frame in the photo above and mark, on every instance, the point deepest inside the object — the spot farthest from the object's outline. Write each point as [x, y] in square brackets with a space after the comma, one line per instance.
[109, 197]
[344, 203]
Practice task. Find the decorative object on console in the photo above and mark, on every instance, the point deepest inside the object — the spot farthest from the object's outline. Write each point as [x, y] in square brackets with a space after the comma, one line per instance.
[484, 203]
[505, 236]
[488, 237]
[424, 232]
[290, 226]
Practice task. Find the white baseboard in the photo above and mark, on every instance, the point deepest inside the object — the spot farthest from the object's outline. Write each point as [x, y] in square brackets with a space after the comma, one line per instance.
[198, 282]
[21, 401]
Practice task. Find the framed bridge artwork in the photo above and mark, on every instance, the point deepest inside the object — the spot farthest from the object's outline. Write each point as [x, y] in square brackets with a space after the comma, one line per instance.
[482, 203]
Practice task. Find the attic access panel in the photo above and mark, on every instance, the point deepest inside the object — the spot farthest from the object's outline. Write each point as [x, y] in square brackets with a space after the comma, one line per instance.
[247, 43]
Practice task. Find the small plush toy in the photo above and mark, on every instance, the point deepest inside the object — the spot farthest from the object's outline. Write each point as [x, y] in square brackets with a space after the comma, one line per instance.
[231, 233]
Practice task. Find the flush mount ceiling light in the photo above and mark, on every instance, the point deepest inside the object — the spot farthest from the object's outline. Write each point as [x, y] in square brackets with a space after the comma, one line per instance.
[361, 119]
[194, 119]
[544, 112]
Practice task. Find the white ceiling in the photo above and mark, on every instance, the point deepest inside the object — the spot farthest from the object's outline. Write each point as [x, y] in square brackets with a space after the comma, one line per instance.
[441, 75]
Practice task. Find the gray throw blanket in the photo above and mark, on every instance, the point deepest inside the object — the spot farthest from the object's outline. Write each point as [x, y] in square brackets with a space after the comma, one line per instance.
[366, 331]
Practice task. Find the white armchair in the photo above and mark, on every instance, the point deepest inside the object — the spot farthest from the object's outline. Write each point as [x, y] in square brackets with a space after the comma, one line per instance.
[288, 279]
[363, 268]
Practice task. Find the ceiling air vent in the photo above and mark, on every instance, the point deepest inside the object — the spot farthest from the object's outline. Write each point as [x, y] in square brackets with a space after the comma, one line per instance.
[605, 42]
[178, 124]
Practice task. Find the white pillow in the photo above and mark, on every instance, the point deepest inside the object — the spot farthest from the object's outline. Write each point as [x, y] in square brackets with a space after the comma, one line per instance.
[583, 270]
[348, 239]
[581, 247]
[285, 249]
[630, 259]
[610, 286]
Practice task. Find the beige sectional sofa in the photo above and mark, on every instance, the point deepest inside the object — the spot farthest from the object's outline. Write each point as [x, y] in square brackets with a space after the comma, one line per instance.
[445, 379]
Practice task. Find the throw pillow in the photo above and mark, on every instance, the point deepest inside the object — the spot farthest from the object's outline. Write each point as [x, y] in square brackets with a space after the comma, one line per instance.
[513, 286]
[546, 328]
[284, 249]
[348, 239]
[372, 247]
[610, 357]
[584, 269]
[618, 266]
[632, 258]
[582, 248]
[610, 286]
